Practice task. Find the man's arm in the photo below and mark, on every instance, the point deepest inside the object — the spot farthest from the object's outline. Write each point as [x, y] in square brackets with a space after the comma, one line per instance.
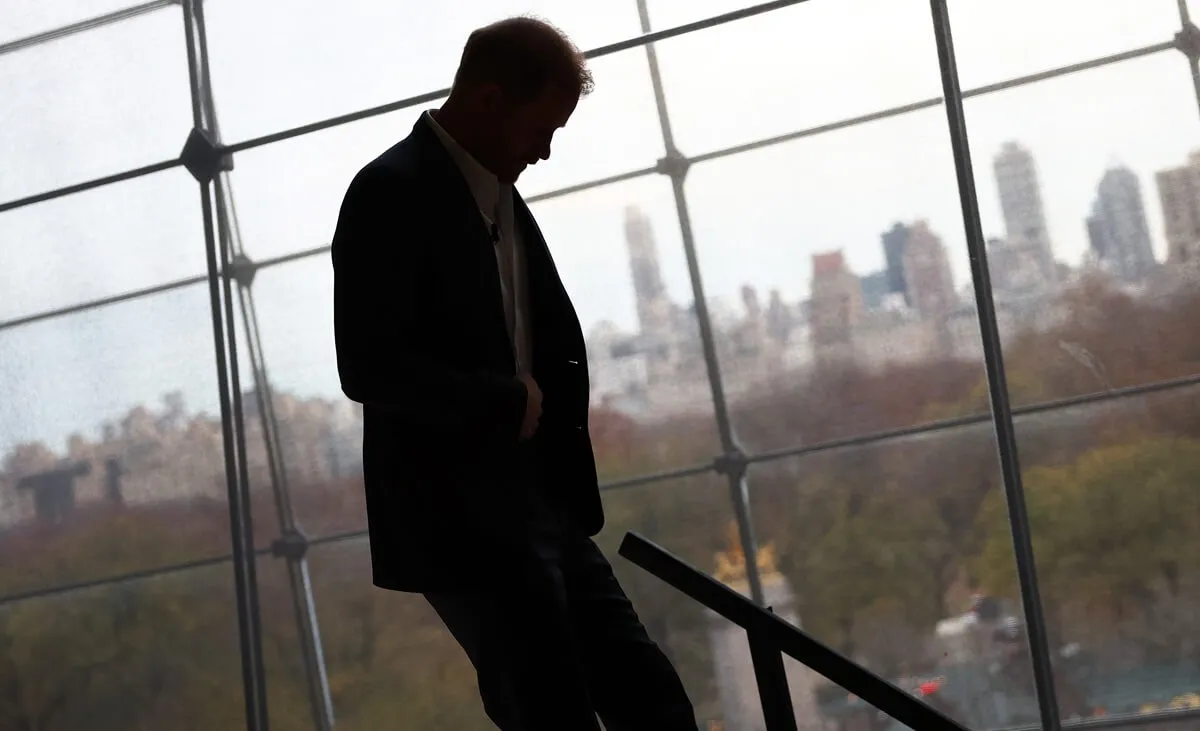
[381, 359]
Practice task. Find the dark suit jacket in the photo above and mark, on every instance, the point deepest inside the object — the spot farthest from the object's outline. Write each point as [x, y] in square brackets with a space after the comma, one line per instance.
[422, 344]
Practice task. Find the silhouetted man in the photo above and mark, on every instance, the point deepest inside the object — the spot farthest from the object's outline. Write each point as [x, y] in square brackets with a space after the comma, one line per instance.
[455, 333]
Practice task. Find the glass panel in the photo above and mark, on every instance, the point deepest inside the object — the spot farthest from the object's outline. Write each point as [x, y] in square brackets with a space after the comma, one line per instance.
[111, 444]
[284, 208]
[94, 103]
[1110, 485]
[995, 41]
[391, 662]
[817, 322]
[619, 253]
[283, 205]
[840, 709]
[153, 653]
[289, 702]
[1111, 490]
[320, 430]
[644, 417]
[100, 243]
[693, 519]
[390, 659]
[1053, 168]
[376, 46]
[881, 546]
[796, 68]
[613, 131]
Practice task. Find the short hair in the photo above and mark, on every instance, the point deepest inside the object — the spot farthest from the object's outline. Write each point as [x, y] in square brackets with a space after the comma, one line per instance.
[523, 56]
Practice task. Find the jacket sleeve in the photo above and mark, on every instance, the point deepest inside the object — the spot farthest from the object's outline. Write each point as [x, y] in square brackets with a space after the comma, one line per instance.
[381, 358]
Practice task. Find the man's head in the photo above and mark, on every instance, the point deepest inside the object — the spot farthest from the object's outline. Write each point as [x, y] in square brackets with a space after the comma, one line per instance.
[517, 83]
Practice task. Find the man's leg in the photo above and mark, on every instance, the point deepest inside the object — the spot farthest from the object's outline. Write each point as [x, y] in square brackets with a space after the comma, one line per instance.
[522, 644]
[633, 685]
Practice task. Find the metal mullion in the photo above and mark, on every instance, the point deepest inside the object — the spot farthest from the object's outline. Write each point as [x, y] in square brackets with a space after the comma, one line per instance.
[101, 302]
[81, 26]
[249, 638]
[599, 182]
[149, 573]
[993, 356]
[303, 602]
[621, 177]
[144, 292]
[865, 440]
[128, 577]
[595, 183]
[933, 427]
[430, 96]
[1186, 28]
[733, 456]
[87, 185]
[933, 102]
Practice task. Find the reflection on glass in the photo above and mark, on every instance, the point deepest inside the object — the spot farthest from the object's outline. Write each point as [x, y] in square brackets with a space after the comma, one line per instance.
[111, 442]
[153, 653]
[101, 243]
[93, 104]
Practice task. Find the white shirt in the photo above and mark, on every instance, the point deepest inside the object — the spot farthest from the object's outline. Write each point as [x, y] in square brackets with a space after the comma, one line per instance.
[495, 201]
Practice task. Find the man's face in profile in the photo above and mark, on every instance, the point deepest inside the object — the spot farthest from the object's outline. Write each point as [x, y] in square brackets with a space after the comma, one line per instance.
[524, 131]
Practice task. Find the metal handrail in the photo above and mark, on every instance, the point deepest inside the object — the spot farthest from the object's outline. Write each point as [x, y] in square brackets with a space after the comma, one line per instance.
[771, 637]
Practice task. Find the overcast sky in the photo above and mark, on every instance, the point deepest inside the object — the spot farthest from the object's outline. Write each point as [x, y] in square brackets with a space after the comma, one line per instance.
[116, 98]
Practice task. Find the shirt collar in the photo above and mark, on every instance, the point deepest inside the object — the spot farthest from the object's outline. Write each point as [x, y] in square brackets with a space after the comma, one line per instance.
[485, 187]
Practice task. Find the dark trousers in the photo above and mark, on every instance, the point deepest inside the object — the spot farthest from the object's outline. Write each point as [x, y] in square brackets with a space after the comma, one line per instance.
[559, 643]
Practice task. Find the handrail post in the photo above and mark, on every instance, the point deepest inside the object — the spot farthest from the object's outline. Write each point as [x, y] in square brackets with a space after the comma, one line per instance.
[770, 637]
[772, 680]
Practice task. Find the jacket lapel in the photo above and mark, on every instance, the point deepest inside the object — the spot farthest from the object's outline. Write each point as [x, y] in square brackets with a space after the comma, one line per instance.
[551, 311]
[473, 235]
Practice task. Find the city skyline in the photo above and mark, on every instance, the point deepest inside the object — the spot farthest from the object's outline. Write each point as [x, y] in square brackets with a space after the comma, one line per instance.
[726, 304]
[757, 216]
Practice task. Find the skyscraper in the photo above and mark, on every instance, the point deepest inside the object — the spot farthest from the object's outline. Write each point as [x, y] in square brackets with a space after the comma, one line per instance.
[836, 304]
[653, 307]
[894, 242]
[1021, 204]
[1179, 193]
[1117, 229]
[927, 276]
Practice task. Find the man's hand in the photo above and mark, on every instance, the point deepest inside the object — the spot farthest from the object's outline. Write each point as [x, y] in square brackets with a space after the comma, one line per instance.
[533, 406]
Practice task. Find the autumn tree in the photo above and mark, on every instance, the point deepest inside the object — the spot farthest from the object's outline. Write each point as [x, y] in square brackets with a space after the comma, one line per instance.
[1115, 541]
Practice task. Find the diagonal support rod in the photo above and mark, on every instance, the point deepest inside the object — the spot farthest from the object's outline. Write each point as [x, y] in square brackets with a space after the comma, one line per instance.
[676, 166]
[993, 358]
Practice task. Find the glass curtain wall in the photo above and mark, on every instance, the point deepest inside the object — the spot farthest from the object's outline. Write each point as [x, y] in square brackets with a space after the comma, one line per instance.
[890, 308]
